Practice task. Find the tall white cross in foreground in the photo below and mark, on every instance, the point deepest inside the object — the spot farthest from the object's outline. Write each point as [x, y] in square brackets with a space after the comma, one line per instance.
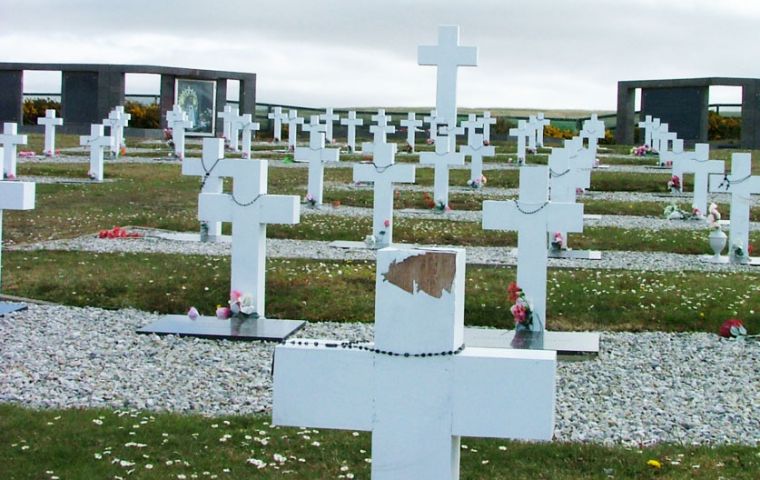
[741, 184]
[178, 122]
[15, 196]
[701, 166]
[351, 123]
[476, 147]
[50, 121]
[277, 116]
[96, 141]
[329, 117]
[249, 208]
[533, 216]
[648, 125]
[416, 388]
[383, 172]
[9, 139]
[411, 123]
[211, 181]
[317, 155]
[248, 129]
[447, 56]
[293, 122]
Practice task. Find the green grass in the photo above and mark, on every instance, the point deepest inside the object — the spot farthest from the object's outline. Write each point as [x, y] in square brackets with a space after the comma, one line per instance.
[100, 443]
[578, 299]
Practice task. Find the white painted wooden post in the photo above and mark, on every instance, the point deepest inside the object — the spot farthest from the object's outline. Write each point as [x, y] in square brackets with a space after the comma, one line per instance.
[9, 140]
[178, 121]
[248, 129]
[329, 117]
[411, 123]
[293, 122]
[351, 122]
[317, 155]
[277, 117]
[96, 141]
[50, 121]
[211, 181]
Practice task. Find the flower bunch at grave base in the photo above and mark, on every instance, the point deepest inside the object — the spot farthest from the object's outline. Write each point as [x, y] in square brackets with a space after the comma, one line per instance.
[486, 143]
[674, 182]
[521, 309]
[123, 150]
[240, 305]
[713, 216]
[168, 134]
[642, 150]
[430, 141]
[310, 200]
[429, 202]
[739, 252]
[673, 212]
[557, 241]
[118, 232]
[732, 328]
[387, 225]
[26, 154]
[9, 176]
[478, 182]
[442, 206]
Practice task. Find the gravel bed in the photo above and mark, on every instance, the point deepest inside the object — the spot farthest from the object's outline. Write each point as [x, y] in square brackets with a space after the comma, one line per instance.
[321, 250]
[643, 388]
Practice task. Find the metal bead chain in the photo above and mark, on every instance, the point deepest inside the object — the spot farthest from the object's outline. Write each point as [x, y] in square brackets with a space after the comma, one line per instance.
[553, 174]
[728, 182]
[380, 169]
[366, 348]
[207, 174]
[533, 212]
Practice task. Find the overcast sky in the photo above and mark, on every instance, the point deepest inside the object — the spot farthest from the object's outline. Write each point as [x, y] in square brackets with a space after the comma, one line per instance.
[532, 53]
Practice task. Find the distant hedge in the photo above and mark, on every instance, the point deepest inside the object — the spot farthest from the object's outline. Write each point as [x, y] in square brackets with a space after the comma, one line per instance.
[143, 116]
[33, 109]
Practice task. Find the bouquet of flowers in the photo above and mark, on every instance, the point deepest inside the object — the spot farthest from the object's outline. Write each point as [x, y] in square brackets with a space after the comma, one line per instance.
[442, 206]
[240, 305]
[713, 217]
[521, 308]
[310, 200]
[557, 241]
[642, 150]
[674, 183]
[478, 182]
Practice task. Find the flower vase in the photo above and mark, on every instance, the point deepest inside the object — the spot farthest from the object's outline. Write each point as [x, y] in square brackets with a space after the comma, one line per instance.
[718, 241]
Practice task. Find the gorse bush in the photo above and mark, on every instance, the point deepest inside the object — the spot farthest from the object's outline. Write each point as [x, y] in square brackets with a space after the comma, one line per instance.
[35, 108]
[143, 116]
[555, 132]
[723, 128]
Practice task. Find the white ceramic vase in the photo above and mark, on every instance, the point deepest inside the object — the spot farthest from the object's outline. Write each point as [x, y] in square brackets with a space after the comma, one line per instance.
[718, 241]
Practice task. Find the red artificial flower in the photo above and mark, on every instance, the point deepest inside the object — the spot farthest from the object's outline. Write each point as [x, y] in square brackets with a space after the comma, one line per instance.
[514, 291]
[732, 324]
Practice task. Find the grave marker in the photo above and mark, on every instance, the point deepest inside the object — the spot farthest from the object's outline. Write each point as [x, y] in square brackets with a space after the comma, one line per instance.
[205, 167]
[227, 116]
[250, 209]
[533, 216]
[541, 122]
[476, 148]
[411, 123]
[416, 407]
[116, 121]
[522, 132]
[50, 121]
[533, 135]
[445, 155]
[236, 124]
[383, 172]
[741, 184]
[277, 116]
[379, 131]
[9, 140]
[293, 122]
[432, 120]
[14, 196]
[178, 121]
[329, 117]
[248, 129]
[487, 120]
[648, 126]
[593, 130]
[701, 166]
[97, 141]
[351, 123]
[317, 155]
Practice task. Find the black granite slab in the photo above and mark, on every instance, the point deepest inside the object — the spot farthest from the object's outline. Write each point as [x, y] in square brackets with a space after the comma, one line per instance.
[566, 344]
[249, 329]
[10, 307]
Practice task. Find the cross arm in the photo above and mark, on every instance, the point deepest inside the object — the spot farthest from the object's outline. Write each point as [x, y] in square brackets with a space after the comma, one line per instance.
[193, 166]
[215, 207]
[504, 393]
[17, 195]
[450, 158]
[322, 387]
[397, 172]
[283, 209]
[329, 155]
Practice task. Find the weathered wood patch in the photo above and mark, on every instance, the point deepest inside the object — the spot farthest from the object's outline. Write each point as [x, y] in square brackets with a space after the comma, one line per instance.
[432, 272]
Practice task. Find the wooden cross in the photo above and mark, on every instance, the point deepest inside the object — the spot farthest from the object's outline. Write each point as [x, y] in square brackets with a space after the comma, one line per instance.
[411, 123]
[50, 122]
[317, 155]
[177, 121]
[351, 123]
[96, 141]
[277, 116]
[211, 181]
[701, 166]
[329, 117]
[9, 140]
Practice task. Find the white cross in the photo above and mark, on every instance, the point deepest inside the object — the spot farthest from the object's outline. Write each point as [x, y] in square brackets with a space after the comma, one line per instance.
[236, 124]
[278, 117]
[668, 157]
[227, 116]
[417, 408]
[249, 208]
[447, 56]
[487, 120]
[379, 131]
[411, 123]
[211, 180]
[701, 166]
[317, 155]
[666, 140]
[293, 122]
[569, 169]
[329, 117]
[581, 160]
[533, 128]
[15, 196]
[741, 184]
[648, 126]
[658, 131]
[445, 154]
[351, 122]
[533, 216]
[248, 129]
[116, 121]
[432, 120]
[522, 132]
[97, 141]
[593, 130]
[542, 122]
[476, 148]
[383, 172]
[177, 121]
[50, 122]
[9, 139]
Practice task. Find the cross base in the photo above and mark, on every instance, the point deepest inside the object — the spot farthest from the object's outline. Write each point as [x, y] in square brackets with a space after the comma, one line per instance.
[192, 237]
[725, 260]
[356, 245]
[570, 254]
[248, 329]
[11, 307]
[566, 344]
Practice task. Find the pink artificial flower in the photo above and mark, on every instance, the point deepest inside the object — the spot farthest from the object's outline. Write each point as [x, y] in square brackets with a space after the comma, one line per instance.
[193, 313]
[223, 313]
[519, 312]
[235, 295]
[387, 223]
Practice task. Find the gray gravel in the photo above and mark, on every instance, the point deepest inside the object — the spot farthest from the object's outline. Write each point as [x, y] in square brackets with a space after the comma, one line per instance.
[321, 250]
[643, 388]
